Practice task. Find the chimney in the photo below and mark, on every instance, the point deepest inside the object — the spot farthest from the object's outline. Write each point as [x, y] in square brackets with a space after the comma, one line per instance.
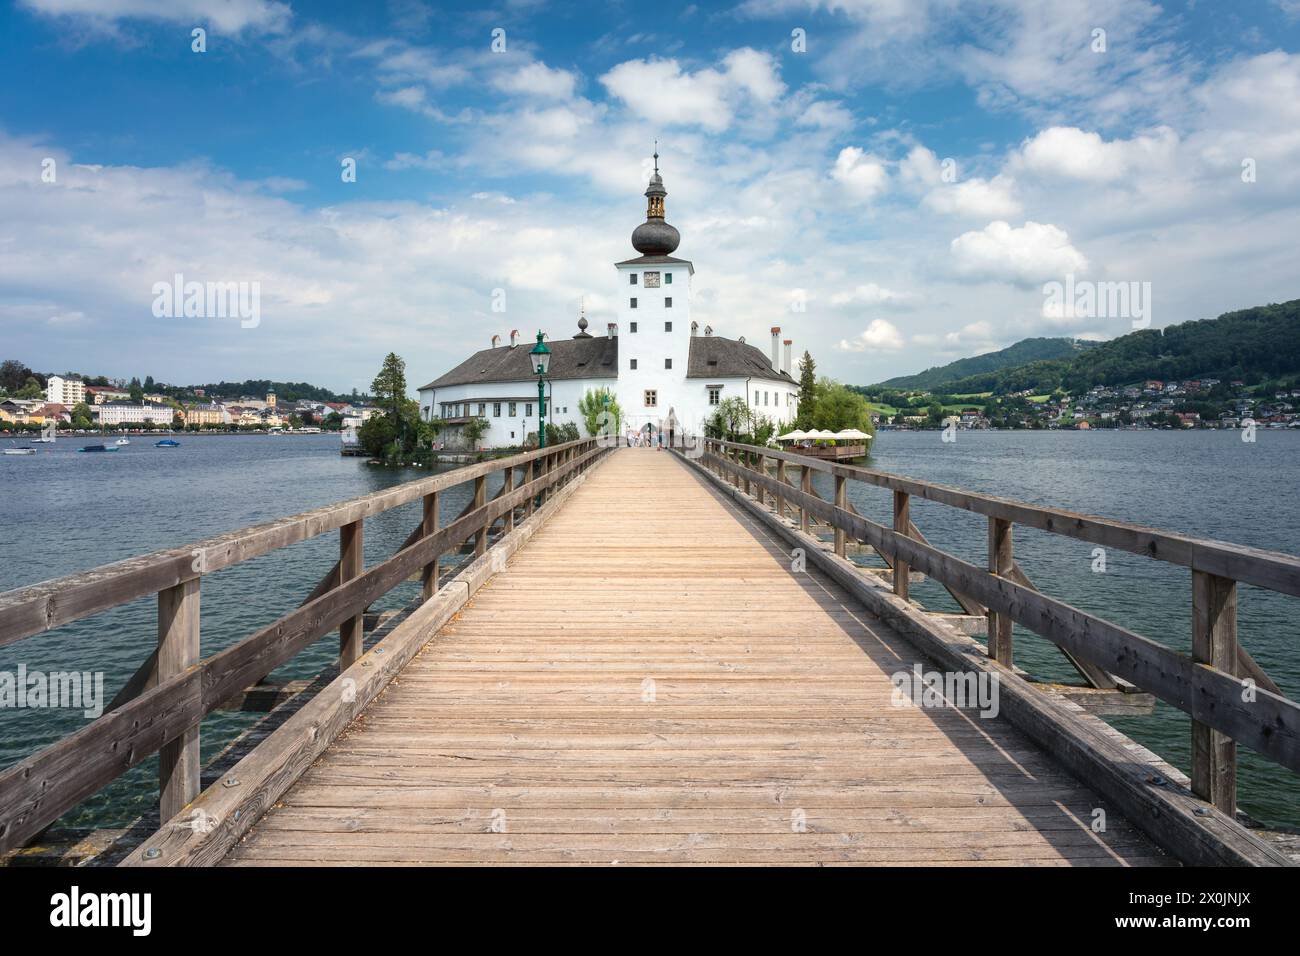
[708, 330]
[611, 329]
[741, 340]
[785, 362]
[496, 340]
[776, 346]
[695, 329]
[514, 337]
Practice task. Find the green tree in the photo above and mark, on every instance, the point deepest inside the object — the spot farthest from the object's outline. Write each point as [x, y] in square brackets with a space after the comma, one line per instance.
[593, 405]
[389, 385]
[81, 417]
[839, 408]
[474, 429]
[137, 393]
[807, 390]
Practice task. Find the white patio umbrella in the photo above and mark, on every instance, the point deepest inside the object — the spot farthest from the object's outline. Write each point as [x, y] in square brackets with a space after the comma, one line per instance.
[821, 433]
[852, 434]
[797, 435]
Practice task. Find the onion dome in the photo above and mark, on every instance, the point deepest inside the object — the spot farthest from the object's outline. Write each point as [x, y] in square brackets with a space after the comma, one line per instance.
[655, 237]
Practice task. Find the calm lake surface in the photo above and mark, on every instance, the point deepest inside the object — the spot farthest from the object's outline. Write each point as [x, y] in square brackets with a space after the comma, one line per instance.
[61, 512]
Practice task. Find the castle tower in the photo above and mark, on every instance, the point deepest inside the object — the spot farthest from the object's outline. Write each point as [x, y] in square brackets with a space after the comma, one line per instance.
[654, 316]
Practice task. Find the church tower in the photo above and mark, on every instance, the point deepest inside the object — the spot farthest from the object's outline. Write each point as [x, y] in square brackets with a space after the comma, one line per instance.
[654, 318]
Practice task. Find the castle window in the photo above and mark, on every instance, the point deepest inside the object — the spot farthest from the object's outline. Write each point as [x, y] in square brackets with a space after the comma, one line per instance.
[668, 326]
[668, 302]
[632, 302]
[496, 409]
[668, 363]
[482, 409]
[633, 366]
[528, 410]
[512, 409]
[668, 278]
[632, 277]
[651, 398]
[633, 324]
[715, 395]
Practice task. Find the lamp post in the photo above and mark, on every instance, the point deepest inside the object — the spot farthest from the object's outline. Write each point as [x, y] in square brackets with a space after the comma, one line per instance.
[541, 358]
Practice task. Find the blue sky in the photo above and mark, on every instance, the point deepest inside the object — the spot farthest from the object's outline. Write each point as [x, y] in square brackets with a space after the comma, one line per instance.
[808, 185]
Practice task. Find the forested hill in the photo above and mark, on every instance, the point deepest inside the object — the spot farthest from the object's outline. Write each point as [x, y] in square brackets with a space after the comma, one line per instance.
[1023, 352]
[1255, 345]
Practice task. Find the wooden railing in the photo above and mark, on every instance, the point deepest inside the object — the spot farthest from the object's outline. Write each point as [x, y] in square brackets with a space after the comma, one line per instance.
[1225, 692]
[160, 708]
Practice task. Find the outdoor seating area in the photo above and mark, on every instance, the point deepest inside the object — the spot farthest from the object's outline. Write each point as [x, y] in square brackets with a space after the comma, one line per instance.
[843, 445]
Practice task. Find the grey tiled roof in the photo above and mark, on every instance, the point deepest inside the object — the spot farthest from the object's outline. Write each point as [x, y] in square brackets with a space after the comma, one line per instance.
[711, 356]
[715, 357]
[587, 357]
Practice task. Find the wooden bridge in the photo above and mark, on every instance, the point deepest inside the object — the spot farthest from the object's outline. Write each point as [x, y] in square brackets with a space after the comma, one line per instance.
[655, 657]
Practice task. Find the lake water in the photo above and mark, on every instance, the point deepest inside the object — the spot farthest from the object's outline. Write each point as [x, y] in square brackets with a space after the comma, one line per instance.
[61, 511]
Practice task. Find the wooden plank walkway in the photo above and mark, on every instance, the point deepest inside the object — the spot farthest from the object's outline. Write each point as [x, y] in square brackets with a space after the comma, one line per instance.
[648, 682]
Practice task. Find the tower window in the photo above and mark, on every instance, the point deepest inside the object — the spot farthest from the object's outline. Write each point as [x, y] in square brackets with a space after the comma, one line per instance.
[633, 366]
[651, 398]
[631, 278]
[668, 302]
[668, 278]
[632, 302]
[668, 363]
[633, 324]
[668, 326]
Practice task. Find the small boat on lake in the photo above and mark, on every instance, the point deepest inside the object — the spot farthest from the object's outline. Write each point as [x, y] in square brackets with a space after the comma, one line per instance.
[167, 443]
[20, 450]
[122, 441]
[98, 448]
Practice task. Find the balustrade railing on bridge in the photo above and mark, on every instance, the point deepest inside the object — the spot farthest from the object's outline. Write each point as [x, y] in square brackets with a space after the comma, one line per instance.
[1228, 696]
[161, 707]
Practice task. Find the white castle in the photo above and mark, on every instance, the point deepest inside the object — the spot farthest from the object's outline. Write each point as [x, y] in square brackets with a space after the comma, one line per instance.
[666, 373]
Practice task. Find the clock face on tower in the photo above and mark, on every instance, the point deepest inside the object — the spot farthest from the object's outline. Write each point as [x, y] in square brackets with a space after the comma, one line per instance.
[652, 280]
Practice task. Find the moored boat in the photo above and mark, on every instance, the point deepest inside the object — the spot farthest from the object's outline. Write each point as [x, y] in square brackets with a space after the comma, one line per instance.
[167, 443]
[98, 448]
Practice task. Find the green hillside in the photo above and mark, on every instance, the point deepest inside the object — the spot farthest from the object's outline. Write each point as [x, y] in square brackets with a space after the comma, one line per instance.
[1023, 352]
[1254, 344]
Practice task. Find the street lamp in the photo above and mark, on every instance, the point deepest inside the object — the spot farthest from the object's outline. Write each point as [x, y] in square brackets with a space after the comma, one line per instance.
[541, 358]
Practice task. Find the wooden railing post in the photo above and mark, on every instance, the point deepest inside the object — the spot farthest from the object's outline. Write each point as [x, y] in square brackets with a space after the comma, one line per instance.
[507, 486]
[429, 576]
[761, 467]
[351, 562]
[780, 480]
[1001, 562]
[530, 475]
[902, 521]
[805, 485]
[1214, 642]
[841, 501]
[178, 649]
[480, 499]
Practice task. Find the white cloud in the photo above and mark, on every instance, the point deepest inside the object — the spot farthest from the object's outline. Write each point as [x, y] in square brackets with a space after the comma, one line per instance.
[662, 92]
[1073, 153]
[1027, 255]
[869, 294]
[976, 198]
[223, 16]
[862, 175]
[878, 336]
[537, 79]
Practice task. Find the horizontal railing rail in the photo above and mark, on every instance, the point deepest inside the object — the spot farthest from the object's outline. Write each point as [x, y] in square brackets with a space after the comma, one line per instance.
[160, 709]
[1223, 690]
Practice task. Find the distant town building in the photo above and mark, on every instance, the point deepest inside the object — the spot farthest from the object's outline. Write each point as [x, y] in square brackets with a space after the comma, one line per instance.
[111, 414]
[65, 391]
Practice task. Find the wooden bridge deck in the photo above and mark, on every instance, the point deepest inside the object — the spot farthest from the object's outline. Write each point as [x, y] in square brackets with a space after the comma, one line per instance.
[648, 682]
